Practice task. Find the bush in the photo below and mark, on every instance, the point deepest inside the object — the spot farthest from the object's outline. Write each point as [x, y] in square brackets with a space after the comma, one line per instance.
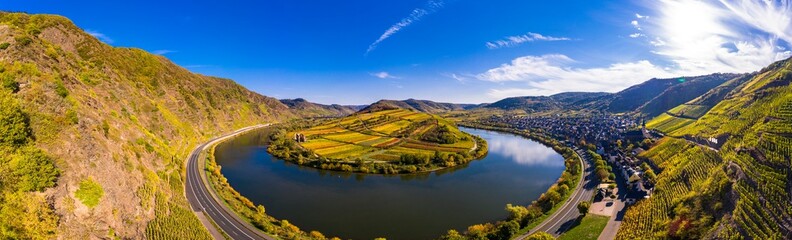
[60, 89]
[540, 236]
[4, 45]
[33, 170]
[24, 40]
[10, 84]
[14, 124]
[90, 192]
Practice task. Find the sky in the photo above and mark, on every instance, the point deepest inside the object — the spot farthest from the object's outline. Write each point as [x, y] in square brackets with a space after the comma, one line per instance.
[459, 51]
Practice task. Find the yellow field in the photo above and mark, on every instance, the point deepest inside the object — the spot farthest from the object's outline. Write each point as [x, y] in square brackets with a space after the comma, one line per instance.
[365, 135]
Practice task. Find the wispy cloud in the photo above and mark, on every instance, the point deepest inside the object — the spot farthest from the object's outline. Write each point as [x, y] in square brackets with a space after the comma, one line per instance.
[511, 41]
[415, 16]
[101, 36]
[693, 37]
[383, 75]
[457, 77]
[162, 51]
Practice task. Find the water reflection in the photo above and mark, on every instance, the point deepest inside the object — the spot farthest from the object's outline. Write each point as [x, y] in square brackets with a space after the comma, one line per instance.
[522, 151]
[417, 206]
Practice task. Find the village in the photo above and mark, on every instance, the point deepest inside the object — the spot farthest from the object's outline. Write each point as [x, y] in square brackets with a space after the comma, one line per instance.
[618, 139]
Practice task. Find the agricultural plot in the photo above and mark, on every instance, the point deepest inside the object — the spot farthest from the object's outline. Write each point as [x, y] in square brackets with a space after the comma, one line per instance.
[667, 123]
[373, 136]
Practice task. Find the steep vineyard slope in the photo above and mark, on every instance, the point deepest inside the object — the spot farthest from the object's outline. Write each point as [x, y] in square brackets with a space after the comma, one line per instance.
[736, 186]
[116, 122]
[687, 113]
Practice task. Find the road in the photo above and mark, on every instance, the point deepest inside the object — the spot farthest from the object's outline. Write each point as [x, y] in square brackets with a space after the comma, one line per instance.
[203, 201]
[566, 216]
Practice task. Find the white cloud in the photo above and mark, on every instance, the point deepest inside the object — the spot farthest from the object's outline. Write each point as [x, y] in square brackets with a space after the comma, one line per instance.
[511, 41]
[693, 37]
[701, 37]
[415, 16]
[162, 51]
[383, 75]
[100, 36]
[549, 74]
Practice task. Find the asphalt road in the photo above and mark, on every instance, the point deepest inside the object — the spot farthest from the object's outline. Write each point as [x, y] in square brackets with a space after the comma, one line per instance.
[202, 201]
[566, 216]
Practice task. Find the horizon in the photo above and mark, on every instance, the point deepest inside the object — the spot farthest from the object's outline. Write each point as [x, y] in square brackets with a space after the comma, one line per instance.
[356, 53]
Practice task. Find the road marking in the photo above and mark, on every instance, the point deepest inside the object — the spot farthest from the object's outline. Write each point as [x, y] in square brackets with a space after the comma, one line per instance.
[193, 180]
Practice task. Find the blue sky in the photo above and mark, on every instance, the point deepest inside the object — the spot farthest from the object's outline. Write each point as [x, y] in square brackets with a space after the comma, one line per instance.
[462, 51]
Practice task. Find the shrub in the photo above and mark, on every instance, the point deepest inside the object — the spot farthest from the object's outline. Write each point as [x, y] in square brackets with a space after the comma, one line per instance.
[4, 45]
[33, 170]
[14, 124]
[60, 89]
[24, 40]
[10, 84]
[90, 192]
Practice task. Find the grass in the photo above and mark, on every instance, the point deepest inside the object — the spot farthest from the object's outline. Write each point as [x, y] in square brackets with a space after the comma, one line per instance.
[589, 227]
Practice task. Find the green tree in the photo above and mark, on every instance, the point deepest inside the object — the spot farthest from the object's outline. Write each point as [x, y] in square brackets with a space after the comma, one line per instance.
[583, 207]
[516, 212]
[26, 216]
[540, 236]
[507, 229]
[452, 235]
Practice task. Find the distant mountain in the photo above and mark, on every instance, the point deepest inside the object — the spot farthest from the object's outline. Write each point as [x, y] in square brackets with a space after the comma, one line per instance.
[417, 105]
[682, 90]
[725, 174]
[569, 100]
[305, 108]
[652, 97]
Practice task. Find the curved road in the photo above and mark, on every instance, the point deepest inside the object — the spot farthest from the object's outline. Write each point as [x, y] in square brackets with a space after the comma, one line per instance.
[203, 200]
[566, 216]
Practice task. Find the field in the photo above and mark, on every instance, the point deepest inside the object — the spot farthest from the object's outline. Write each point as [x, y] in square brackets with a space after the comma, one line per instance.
[383, 136]
[589, 227]
[667, 123]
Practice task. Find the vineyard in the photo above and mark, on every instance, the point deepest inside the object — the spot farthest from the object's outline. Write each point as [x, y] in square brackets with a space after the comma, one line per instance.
[667, 123]
[380, 136]
[742, 190]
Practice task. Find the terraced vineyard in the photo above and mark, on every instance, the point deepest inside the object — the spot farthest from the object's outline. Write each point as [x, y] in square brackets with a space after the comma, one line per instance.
[741, 191]
[687, 113]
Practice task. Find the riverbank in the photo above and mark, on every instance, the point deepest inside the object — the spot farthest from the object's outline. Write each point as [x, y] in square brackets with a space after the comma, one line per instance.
[398, 155]
[524, 218]
[243, 208]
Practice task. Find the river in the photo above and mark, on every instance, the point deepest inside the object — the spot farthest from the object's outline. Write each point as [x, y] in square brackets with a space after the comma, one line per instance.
[419, 206]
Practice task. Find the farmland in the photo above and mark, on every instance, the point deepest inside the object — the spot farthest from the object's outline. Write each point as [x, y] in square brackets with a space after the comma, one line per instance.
[386, 141]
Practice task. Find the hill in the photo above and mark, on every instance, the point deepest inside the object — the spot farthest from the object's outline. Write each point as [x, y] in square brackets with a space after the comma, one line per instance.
[561, 101]
[727, 174]
[309, 109]
[651, 98]
[94, 137]
[684, 114]
[385, 141]
[687, 89]
[418, 105]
